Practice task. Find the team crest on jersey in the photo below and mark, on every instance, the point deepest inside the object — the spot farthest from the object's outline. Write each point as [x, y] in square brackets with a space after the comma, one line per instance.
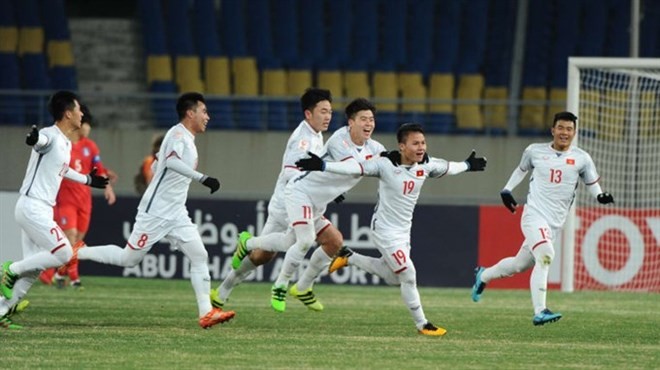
[303, 145]
[86, 152]
[420, 173]
[64, 221]
[570, 161]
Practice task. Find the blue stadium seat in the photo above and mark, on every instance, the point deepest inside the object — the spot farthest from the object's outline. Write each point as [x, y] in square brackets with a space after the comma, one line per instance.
[233, 28]
[339, 30]
[164, 108]
[312, 41]
[364, 38]
[393, 31]
[286, 31]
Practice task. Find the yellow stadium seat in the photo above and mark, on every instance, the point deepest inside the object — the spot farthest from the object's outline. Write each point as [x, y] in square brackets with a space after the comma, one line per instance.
[331, 80]
[470, 87]
[60, 53]
[532, 113]
[216, 73]
[356, 84]
[557, 103]
[413, 92]
[30, 40]
[188, 74]
[441, 87]
[648, 116]
[298, 80]
[273, 82]
[245, 76]
[159, 68]
[8, 39]
[614, 112]
[495, 115]
[386, 86]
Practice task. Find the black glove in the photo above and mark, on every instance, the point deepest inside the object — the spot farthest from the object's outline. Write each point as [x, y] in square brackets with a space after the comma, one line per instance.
[211, 183]
[96, 181]
[33, 136]
[508, 200]
[340, 198]
[474, 163]
[313, 163]
[394, 156]
[605, 198]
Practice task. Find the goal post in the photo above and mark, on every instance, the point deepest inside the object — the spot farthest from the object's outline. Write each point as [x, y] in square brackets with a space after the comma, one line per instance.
[615, 247]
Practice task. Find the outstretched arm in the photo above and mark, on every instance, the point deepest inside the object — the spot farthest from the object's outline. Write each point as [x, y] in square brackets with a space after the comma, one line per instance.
[315, 163]
[174, 163]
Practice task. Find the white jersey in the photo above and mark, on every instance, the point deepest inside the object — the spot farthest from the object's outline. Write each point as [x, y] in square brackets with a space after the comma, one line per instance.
[554, 179]
[324, 187]
[303, 139]
[398, 192]
[166, 194]
[47, 166]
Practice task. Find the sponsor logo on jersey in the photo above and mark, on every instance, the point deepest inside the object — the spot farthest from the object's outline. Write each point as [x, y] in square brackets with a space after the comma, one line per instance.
[570, 161]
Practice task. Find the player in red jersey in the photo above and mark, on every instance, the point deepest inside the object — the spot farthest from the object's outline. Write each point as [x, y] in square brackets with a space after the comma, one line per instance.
[74, 201]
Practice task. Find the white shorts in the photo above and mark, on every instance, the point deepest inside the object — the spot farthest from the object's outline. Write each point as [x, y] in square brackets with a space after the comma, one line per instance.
[39, 230]
[536, 230]
[395, 251]
[301, 209]
[148, 230]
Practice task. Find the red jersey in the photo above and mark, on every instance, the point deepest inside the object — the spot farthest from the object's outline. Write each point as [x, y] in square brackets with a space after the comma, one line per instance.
[85, 155]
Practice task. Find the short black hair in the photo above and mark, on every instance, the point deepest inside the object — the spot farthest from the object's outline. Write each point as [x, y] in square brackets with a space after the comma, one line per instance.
[188, 101]
[564, 116]
[357, 105]
[405, 129]
[61, 102]
[87, 115]
[312, 96]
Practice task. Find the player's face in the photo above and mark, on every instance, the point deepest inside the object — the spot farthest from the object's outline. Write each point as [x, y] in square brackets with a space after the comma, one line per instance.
[319, 117]
[200, 117]
[362, 126]
[75, 115]
[563, 133]
[413, 148]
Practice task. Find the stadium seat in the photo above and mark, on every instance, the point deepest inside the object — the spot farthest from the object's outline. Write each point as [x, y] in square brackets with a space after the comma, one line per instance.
[468, 115]
[188, 73]
[274, 86]
[386, 92]
[496, 114]
[159, 69]
[532, 113]
[413, 92]
[245, 76]
[441, 114]
[357, 84]
[333, 80]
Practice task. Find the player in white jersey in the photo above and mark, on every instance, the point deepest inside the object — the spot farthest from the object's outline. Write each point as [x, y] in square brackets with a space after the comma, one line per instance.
[401, 175]
[306, 199]
[44, 243]
[162, 212]
[316, 105]
[556, 168]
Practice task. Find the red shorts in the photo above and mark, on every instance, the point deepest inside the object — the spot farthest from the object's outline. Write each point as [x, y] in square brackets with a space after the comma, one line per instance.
[73, 217]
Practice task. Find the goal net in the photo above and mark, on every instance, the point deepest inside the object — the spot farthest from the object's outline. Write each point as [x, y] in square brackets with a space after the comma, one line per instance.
[616, 247]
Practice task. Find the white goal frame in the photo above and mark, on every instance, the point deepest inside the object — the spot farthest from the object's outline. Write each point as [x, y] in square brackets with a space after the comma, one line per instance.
[572, 105]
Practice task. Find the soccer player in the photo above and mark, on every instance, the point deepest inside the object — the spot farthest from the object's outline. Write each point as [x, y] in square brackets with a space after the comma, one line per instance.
[162, 212]
[316, 105]
[556, 168]
[74, 201]
[306, 198]
[44, 243]
[401, 176]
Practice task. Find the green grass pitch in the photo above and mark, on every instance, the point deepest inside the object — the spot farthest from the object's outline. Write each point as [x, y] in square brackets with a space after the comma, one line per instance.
[127, 323]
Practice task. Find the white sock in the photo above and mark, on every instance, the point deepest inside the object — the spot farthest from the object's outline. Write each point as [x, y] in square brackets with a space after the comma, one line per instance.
[108, 254]
[509, 266]
[317, 264]
[21, 287]
[292, 260]
[375, 266]
[201, 283]
[234, 278]
[37, 262]
[410, 297]
[538, 285]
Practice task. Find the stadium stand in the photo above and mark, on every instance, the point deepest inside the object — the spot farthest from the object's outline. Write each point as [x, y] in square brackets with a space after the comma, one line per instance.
[11, 107]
